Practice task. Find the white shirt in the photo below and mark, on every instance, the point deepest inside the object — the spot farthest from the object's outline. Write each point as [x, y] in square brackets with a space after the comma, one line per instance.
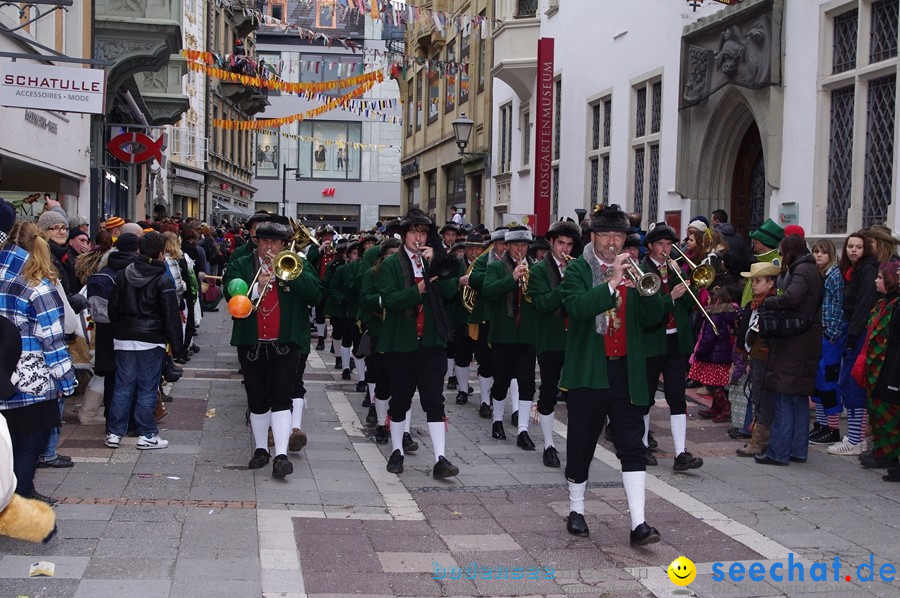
[416, 261]
[561, 266]
[457, 218]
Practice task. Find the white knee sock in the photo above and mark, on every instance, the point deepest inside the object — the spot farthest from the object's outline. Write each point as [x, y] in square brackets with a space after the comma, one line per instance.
[297, 406]
[514, 395]
[345, 357]
[360, 368]
[462, 378]
[259, 424]
[547, 429]
[646, 439]
[438, 433]
[576, 497]
[524, 415]
[498, 410]
[407, 421]
[679, 431]
[634, 482]
[397, 436]
[485, 385]
[320, 330]
[381, 409]
[281, 430]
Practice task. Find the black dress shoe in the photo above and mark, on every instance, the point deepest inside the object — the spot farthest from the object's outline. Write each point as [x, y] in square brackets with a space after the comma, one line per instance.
[320, 346]
[484, 411]
[764, 460]
[38, 496]
[361, 386]
[576, 525]
[281, 466]
[651, 441]
[497, 432]
[395, 463]
[60, 462]
[409, 445]
[260, 459]
[644, 534]
[371, 416]
[523, 441]
[444, 469]
[451, 383]
[180, 360]
[345, 375]
[194, 348]
[367, 402]
[892, 476]
[686, 461]
[462, 398]
[871, 462]
[650, 458]
[381, 435]
[551, 457]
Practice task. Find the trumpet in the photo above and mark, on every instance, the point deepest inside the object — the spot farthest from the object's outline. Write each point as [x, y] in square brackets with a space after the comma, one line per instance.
[677, 270]
[523, 282]
[702, 275]
[647, 283]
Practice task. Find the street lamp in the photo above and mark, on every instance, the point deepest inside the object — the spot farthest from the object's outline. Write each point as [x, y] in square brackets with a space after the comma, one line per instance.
[462, 130]
[284, 172]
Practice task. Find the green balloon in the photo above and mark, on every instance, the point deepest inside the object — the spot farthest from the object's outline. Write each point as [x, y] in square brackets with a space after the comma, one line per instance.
[237, 287]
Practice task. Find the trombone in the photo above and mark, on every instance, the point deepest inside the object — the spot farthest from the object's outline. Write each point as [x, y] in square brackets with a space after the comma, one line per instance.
[674, 265]
[702, 275]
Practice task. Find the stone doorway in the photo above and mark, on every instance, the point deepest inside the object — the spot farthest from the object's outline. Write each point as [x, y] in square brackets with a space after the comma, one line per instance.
[748, 184]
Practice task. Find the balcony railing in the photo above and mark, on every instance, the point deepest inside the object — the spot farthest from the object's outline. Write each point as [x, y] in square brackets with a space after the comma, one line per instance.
[526, 9]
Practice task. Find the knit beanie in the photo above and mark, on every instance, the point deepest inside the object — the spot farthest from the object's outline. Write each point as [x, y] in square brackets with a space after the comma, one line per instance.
[50, 218]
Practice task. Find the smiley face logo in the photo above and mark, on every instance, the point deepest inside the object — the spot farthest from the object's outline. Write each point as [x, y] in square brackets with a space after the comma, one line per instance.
[682, 571]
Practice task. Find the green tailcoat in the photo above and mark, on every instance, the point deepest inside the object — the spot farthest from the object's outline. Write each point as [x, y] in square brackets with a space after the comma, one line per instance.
[547, 302]
[498, 285]
[402, 302]
[331, 307]
[585, 363]
[294, 299]
[455, 311]
[245, 249]
[370, 309]
[344, 290]
[682, 308]
[481, 312]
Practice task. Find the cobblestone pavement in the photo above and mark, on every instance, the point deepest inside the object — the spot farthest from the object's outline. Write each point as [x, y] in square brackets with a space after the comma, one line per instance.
[192, 520]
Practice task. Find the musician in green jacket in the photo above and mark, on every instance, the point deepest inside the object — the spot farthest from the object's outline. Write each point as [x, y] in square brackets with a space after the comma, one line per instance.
[414, 338]
[605, 365]
[513, 332]
[544, 288]
[330, 307]
[342, 291]
[320, 256]
[273, 343]
[464, 344]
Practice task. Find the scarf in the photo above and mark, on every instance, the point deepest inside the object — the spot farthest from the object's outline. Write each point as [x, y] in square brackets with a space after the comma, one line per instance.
[432, 296]
[876, 339]
[757, 301]
[555, 277]
[601, 321]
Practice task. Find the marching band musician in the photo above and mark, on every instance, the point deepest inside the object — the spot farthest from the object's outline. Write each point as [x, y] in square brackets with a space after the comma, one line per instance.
[544, 287]
[604, 368]
[330, 306]
[668, 345]
[342, 291]
[320, 257]
[464, 345]
[414, 339]
[513, 332]
[449, 234]
[273, 341]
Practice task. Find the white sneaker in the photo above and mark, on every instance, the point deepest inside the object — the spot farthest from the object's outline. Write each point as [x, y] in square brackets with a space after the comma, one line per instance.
[844, 447]
[152, 442]
[112, 441]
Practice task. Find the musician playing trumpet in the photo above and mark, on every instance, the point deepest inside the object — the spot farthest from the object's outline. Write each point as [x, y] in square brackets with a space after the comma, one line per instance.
[546, 277]
[273, 342]
[669, 344]
[513, 332]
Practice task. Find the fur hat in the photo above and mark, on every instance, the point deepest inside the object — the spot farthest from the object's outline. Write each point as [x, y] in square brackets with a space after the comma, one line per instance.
[50, 219]
[564, 228]
[414, 217]
[609, 219]
[277, 227]
[540, 243]
[474, 240]
[660, 231]
[769, 234]
[499, 234]
[392, 227]
[518, 234]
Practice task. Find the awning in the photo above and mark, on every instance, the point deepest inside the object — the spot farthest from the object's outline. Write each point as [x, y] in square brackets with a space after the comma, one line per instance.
[223, 207]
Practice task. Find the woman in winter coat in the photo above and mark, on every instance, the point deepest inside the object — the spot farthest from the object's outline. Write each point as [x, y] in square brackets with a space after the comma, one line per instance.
[794, 360]
[860, 268]
[712, 358]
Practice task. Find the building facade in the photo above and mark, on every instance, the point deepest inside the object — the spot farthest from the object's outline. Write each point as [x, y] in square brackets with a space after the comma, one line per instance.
[672, 112]
[435, 175]
[342, 167]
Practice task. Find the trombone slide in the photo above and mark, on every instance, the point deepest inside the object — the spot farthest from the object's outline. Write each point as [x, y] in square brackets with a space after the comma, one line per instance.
[673, 265]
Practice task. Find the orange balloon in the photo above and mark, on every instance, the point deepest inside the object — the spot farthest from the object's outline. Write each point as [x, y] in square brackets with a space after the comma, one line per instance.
[240, 306]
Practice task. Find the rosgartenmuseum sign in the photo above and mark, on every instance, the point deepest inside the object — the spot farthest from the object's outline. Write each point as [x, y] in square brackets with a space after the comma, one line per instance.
[46, 87]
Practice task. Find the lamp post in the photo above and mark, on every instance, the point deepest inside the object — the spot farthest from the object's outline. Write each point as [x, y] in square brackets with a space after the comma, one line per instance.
[284, 172]
[462, 130]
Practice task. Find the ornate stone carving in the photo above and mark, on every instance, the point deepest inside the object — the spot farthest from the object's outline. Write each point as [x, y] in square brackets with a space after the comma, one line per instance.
[112, 49]
[135, 6]
[699, 70]
[154, 81]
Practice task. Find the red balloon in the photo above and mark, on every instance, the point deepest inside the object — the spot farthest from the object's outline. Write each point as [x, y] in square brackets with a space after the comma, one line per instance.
[240, 306]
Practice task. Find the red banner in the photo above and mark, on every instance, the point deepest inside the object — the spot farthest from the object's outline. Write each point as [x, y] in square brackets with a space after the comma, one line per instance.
[543, 138]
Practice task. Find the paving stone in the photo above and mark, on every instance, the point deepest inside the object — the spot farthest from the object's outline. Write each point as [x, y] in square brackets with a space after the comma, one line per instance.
[479, 542]
[39, 587]
[113, 588]
[416, 562]
[67, 567]
[130, 568]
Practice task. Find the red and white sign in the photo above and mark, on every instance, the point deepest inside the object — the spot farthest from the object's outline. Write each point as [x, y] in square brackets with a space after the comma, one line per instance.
[126, 147]
[543, 138]
[46, 87]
